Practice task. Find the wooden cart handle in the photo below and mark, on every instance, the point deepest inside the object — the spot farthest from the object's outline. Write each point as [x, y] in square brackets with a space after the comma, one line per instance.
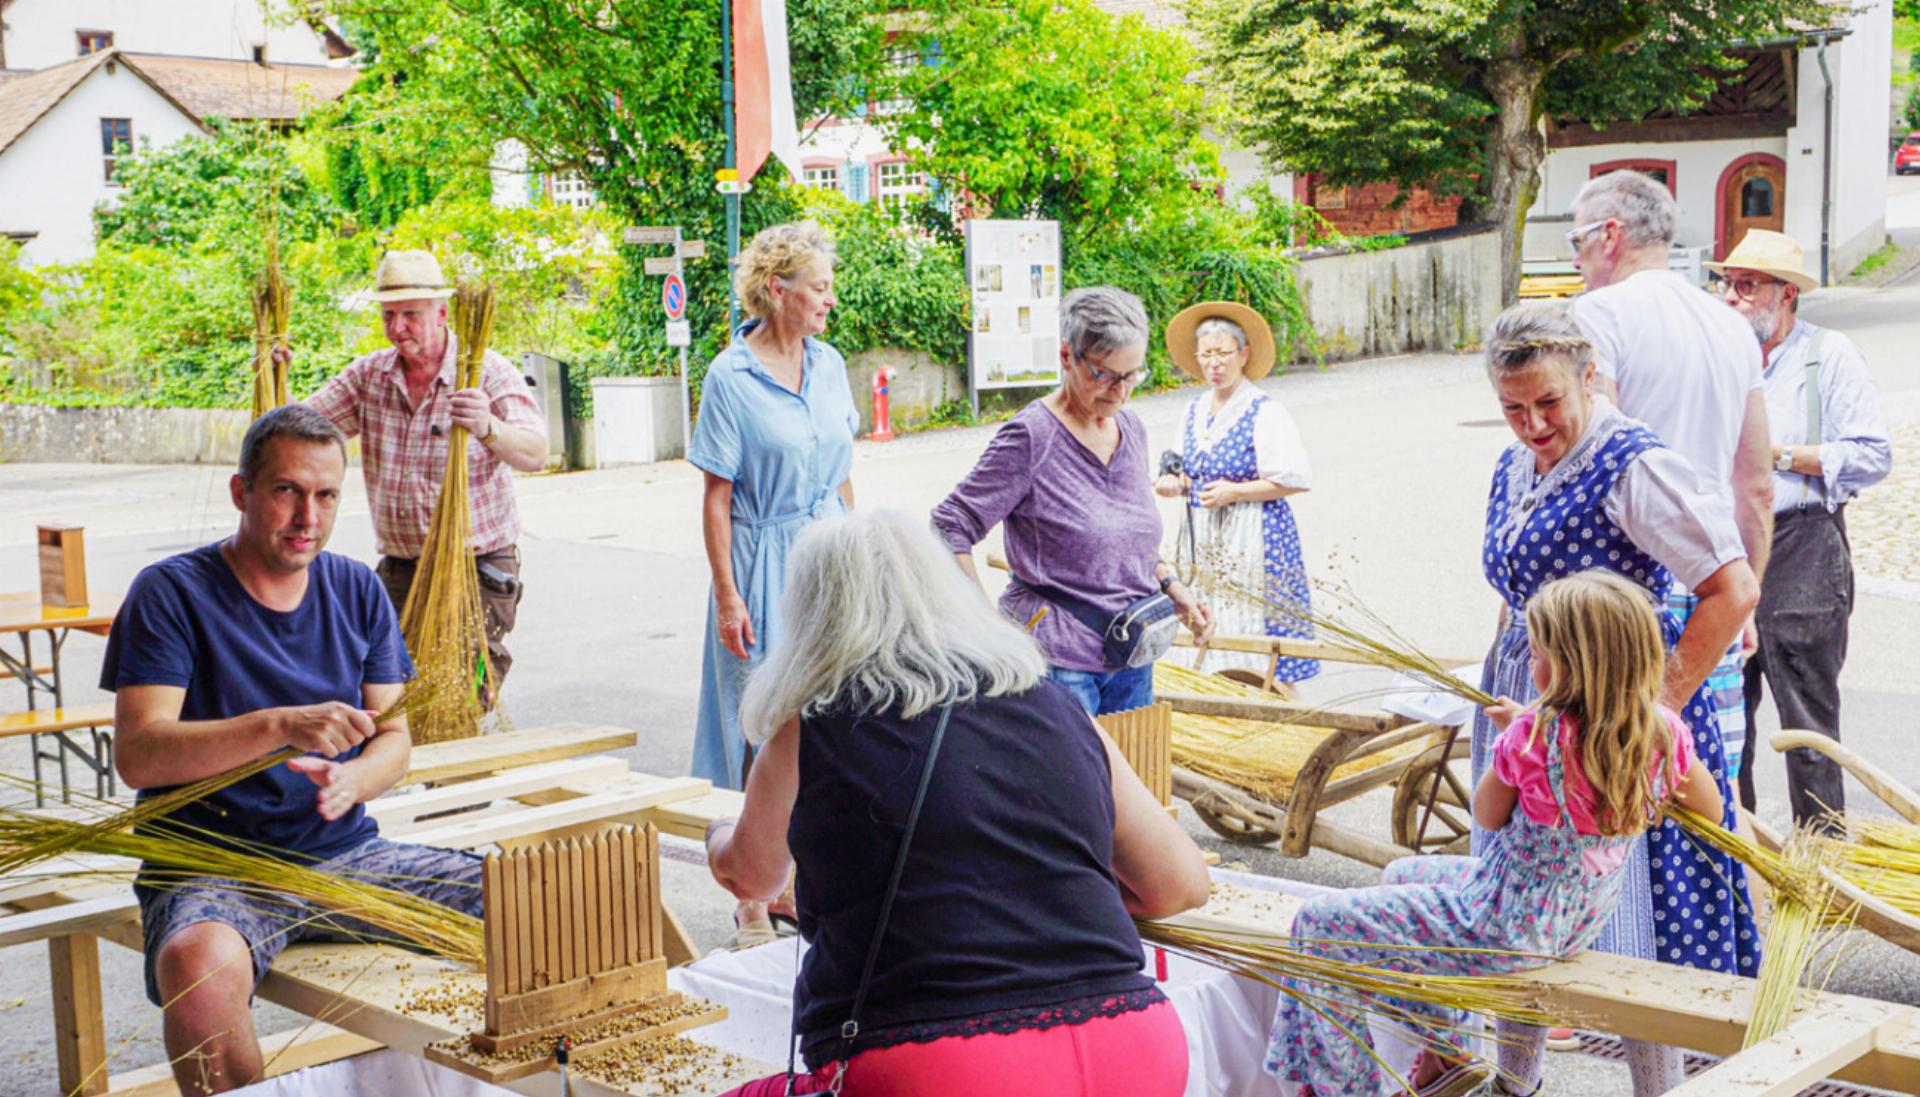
[1883, 784]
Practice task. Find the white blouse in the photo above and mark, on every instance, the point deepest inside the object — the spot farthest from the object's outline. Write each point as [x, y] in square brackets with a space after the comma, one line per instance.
[1278, 453]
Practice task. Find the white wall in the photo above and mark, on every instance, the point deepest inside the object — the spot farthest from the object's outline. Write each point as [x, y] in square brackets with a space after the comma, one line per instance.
[41, 32]
[1696, 175]
[53, 175]
[1862, 89]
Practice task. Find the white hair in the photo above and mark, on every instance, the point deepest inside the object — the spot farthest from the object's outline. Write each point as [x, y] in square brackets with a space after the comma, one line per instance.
[880, 618]
[1645, 209]
[1220, 325]
[1100, 320]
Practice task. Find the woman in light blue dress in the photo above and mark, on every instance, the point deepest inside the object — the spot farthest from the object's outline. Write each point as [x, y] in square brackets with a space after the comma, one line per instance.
[775, 440]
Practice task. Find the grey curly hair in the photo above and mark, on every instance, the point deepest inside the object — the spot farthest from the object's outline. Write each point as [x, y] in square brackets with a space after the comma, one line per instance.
[1536, 331]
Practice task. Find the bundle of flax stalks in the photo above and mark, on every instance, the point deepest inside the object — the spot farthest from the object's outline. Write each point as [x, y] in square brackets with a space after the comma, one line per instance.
[1884, 861]
[1804, 911]
[443, 620]
[272, 317]
[1261, 757]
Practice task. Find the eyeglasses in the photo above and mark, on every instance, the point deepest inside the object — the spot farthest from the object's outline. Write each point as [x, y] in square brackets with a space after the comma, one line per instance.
[1216, 357]
[1581, 233]
[1110, 380]
[1746, 287]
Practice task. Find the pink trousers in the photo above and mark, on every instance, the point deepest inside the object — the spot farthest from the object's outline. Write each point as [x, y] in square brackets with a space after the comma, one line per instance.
[1140, 1054]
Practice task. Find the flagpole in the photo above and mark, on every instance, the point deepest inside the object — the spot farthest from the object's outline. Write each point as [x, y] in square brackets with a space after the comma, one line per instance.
[731, 161]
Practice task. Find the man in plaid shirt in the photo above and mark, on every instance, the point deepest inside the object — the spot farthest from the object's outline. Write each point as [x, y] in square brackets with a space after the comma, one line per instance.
[403, 404]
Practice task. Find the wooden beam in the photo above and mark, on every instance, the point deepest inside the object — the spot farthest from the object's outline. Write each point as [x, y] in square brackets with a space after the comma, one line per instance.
[460, 758]
[577, 772]
[58, 919]
[1284, 712]
[1294, 648]
[284, 1052]
[610, 807]
[1889, 788]
[1795, 1057]
[1772, 123]
[79, 1032]
[689, 818]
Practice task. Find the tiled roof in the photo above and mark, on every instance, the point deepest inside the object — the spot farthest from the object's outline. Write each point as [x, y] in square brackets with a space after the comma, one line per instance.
[208, 87]
[26, 97]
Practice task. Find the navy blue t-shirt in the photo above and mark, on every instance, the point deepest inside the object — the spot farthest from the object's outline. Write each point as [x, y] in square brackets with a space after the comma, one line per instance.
[188, 622]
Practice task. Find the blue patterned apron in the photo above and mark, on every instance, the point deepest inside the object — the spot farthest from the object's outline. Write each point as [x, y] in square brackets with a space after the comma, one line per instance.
[1681, 903]
[1529, 898]
[1274, 543]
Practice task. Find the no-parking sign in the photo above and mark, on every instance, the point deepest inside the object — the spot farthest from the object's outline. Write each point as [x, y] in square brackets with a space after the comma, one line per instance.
[673, 297]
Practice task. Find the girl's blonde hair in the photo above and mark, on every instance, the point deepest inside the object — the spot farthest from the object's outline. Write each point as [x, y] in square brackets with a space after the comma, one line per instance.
[1606, 662]
[782, 251]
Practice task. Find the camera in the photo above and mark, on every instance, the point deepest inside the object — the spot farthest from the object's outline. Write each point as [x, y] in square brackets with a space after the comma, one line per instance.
[1172, 464]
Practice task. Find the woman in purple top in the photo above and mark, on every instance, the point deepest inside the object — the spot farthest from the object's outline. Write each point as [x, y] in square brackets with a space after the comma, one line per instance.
[1069, 477]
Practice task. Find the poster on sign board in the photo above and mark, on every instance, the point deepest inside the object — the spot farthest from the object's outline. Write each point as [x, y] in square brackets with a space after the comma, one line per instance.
[1013, 271]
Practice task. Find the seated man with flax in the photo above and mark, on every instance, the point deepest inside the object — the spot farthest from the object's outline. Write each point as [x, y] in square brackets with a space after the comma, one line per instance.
[229, 652]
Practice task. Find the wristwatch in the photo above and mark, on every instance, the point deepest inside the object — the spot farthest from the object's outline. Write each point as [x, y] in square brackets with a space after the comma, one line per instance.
[1167, 582]
[1784, 462]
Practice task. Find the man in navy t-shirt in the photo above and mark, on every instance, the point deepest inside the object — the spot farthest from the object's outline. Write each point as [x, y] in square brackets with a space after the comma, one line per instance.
[232, 651]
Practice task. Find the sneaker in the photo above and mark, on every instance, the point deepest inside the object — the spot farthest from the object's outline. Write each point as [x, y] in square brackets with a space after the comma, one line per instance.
[1563, 1039]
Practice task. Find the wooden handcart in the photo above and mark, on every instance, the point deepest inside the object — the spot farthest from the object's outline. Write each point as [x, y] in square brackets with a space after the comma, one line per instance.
[1289, 760]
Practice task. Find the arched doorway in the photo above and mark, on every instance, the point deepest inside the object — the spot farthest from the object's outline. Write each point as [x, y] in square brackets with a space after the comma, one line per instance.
[1752, 195]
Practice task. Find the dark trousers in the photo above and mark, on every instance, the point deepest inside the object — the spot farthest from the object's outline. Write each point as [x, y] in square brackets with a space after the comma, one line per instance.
[500, 605]
[1805, 601]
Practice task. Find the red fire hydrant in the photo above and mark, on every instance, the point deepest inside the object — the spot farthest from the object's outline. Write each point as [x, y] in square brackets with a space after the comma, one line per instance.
[882, 422]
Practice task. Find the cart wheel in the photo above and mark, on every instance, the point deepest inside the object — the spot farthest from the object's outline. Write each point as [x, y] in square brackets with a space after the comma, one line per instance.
[1450, 829]
[1233, 828]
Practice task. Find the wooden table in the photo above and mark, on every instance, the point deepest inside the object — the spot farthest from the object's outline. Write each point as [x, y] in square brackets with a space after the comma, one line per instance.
[528, 786]
[23, 614]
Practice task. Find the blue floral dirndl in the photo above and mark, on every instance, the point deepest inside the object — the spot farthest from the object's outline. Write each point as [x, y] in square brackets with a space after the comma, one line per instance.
[1260, 536]
[1682, 903]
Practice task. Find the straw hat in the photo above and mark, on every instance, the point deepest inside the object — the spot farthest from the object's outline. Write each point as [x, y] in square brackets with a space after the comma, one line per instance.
[410, 276]
[1768, 252]
[1180, 339]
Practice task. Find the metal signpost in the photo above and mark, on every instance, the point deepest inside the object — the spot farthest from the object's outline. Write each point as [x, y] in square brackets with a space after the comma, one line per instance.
[673, 302]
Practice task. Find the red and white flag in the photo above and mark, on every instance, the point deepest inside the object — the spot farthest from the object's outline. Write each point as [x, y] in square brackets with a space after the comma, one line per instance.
[763, 87]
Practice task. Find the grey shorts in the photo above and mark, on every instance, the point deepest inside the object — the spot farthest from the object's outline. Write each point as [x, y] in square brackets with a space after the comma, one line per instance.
[269, 924]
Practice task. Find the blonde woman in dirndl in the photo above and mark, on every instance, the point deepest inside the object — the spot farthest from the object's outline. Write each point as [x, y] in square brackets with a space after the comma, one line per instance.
[1243, 459]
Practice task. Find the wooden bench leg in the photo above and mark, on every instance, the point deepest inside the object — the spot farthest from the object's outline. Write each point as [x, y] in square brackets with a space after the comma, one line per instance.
[79, 1031]
[679, 945]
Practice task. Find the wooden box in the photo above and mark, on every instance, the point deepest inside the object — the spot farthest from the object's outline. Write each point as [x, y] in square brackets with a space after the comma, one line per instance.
[63, 566]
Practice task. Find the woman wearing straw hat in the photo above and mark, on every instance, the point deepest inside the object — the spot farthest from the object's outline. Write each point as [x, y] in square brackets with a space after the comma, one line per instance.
[1242, 458]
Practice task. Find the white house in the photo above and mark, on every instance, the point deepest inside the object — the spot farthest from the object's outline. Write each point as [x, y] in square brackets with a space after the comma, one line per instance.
[61, 127]
[1758, 153]
[37, 34]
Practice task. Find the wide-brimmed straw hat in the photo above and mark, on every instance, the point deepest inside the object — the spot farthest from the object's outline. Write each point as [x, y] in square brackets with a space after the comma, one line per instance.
[1180, 338]
[410, 276]
[1769, 252]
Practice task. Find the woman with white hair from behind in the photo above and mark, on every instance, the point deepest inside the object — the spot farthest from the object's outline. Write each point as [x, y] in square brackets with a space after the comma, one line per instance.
[906, 730]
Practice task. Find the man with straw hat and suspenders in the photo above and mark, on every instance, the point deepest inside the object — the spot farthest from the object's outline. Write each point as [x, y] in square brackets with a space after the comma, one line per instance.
[1829, 442]
[402, 403]
[220, 656]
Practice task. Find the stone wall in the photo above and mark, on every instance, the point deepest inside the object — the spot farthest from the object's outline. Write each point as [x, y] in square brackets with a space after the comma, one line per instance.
[1375, 209]
[918, 386]
[1438, 293]
[146, 436]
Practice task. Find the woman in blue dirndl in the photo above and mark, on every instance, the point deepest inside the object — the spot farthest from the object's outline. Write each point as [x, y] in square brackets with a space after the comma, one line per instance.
[1586, 487]
[775, 440]
[1242, 459]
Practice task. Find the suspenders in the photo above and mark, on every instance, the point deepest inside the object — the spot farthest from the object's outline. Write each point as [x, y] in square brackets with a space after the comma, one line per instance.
[1814, 426]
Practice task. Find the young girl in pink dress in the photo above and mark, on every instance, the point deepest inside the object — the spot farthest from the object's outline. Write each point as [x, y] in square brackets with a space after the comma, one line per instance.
[1574, 779]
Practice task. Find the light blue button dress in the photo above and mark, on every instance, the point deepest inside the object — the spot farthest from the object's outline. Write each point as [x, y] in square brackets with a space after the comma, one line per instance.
[787, 455]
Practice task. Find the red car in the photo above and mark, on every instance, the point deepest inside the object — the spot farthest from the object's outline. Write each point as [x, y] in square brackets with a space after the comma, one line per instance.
[1906, 158]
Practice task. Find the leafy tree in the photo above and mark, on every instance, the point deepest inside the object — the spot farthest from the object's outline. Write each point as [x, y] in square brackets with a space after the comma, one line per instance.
[1449, 94]
[170, 196]
[1053, 109]
[625, 92]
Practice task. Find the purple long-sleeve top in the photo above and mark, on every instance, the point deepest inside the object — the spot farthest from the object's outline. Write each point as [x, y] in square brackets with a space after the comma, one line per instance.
[1088, 528]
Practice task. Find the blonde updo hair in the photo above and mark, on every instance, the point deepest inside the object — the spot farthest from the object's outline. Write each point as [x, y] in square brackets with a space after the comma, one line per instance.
[1534, 332]
[782, 251]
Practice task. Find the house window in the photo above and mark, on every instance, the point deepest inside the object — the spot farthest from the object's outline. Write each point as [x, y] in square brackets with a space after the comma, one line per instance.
[93, 41]
[116, 140]
[1660, 171]
[827, 178]
[569, 189]
[897, 183]
[1756, 198]
[260, 54]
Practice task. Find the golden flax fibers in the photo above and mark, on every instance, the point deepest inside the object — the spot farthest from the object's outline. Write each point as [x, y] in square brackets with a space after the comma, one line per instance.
[272, 317]
[443, 621]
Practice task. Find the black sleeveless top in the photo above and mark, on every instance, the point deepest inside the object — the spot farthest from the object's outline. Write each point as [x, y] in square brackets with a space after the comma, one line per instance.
[1008, 915]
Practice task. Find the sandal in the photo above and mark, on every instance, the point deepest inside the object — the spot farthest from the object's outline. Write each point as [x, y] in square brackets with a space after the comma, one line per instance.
[1457, 1079]
[752, 934]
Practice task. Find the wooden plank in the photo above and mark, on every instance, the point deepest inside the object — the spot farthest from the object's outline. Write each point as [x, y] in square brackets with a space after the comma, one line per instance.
[1295, 648]
[592, 892]
[577, 939]
[676, 942]
[394, 809]
[520, 962]
[629, 914]
[567, 886]
[44, 720]
[542, 960]
[491, 753]
[284, 1052]
[655, 905]
[495, 924]
[524, 1016]
[689, 818]
[1285, 712]
[1790, 1060]
[620, 898]
[57, 919]
[461, 833]
[79, 1033]
[497, 1073]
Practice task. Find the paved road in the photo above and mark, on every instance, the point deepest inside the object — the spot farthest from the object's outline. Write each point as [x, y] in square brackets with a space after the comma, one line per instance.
[611, 625]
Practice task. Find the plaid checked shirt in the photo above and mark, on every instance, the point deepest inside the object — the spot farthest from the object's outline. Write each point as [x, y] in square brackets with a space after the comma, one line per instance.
[404, 449]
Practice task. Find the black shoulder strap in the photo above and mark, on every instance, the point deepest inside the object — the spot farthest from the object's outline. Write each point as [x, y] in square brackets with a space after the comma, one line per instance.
[850, 1030]
[1079, 609]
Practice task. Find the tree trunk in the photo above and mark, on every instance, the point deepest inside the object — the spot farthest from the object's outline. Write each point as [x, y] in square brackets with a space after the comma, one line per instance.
[1515, 151]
